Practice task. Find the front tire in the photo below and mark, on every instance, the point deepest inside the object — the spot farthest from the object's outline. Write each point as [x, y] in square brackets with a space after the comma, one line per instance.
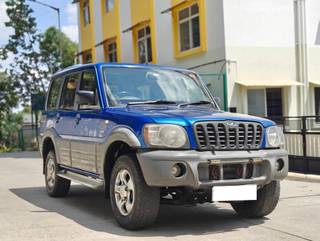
[135, 205]
[56, 186]
[267, 200]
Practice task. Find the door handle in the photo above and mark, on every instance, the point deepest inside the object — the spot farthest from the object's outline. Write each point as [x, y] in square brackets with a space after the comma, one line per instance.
[58, 117]
[78, 118]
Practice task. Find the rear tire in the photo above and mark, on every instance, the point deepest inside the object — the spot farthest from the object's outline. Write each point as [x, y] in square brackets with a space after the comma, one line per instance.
[135, 205]
[267, 200]
[56, 186]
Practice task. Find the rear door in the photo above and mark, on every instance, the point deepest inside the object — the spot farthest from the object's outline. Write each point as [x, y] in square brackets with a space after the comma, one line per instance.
[90, 127]
[65, 118]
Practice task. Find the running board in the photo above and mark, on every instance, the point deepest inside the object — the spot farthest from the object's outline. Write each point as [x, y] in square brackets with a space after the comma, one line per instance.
[84, 180]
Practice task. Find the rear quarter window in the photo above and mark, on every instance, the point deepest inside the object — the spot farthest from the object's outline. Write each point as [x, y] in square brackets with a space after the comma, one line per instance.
[54, 93]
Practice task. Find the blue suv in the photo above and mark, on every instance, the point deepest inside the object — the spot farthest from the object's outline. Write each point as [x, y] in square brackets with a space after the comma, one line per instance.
[150, 135]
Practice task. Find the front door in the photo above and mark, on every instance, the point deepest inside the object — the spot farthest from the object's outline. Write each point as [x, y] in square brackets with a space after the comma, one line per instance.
[65, 119]
[89, 127]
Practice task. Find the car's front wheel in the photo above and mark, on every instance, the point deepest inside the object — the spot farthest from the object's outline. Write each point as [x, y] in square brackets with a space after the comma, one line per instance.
[267, 200]
[56, 186]
[135, 204]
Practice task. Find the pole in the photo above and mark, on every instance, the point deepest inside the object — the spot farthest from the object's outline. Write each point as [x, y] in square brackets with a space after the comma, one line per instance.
[59, 23]
[60, 34]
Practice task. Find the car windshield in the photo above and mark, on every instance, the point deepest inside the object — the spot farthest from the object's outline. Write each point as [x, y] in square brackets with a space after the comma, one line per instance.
[152, 86]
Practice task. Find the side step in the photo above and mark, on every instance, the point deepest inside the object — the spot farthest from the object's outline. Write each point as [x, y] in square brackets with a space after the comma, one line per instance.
[84, 180]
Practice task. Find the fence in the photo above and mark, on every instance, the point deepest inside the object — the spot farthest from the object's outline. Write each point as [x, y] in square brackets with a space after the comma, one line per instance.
[26, 138]
[302, 135]
[217, 84]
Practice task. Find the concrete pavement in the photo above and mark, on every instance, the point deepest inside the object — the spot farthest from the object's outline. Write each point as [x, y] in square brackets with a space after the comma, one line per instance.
[27, 213]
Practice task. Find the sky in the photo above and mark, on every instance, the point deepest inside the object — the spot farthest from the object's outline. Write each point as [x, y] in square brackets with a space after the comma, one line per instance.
[46, 18]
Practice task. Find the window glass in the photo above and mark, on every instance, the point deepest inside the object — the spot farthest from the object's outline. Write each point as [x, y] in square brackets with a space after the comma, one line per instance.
[86, 12]
[87, 57]
[183, 14]
[89, 83]
[184, 36]
[141, 33]
[274, 102]
[189, 28]
[111, 52]
[109, 5]
[256, 102]
[151, 84]
[195, 32]
[68, 93]
[194, 9]
[144, 45]
[317, 100]
[149, 48]
[54, 93]
[142, 51]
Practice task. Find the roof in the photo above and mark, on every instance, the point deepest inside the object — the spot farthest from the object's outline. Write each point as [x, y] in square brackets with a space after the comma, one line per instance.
[126, 65]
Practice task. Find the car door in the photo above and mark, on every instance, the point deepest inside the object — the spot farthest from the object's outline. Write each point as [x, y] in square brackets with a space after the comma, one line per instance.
[48, 120]
[65, 118]
[90, 126]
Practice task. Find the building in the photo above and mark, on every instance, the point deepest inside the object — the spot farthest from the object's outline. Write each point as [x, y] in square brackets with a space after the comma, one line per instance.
[261, 57]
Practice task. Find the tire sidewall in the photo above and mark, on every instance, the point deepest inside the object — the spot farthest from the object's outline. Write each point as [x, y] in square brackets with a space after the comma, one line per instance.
[51, 155]
[122, 163]
[141, 211]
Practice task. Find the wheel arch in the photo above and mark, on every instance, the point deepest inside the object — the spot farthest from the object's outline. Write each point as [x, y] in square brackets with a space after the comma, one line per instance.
[121, 141]
[47, 146]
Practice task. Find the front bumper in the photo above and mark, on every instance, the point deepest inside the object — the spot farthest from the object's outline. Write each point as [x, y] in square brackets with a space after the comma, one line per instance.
[156, 167]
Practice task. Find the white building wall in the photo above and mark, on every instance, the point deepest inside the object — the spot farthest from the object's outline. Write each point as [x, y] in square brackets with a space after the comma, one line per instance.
[313, 40]
[215, 38]
[98, 37]
[126, 38]
[164, 32]
[259, 37]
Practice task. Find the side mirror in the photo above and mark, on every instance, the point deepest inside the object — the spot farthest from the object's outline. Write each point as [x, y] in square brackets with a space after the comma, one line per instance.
[217, 99]
[85, 97]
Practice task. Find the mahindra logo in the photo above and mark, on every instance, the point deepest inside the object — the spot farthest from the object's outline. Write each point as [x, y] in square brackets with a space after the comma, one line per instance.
[232, 124]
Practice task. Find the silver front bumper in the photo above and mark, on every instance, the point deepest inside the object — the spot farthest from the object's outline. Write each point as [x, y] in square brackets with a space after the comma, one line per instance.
[156, 167]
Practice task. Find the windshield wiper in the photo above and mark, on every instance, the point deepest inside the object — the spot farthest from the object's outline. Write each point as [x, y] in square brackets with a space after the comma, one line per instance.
[152, 102]
[201, 102]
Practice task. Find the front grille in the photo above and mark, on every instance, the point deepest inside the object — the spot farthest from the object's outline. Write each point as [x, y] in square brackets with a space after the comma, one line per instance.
[228, 135]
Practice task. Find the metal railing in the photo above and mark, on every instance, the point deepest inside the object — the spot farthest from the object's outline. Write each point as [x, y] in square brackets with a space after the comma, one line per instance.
[302, 136]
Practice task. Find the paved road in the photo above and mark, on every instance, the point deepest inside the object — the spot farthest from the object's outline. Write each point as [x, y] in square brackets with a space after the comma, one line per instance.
[27, 213]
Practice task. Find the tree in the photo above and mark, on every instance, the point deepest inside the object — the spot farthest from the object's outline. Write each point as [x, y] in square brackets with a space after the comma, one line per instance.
[26, 68]
[50, 50]
[9, 122]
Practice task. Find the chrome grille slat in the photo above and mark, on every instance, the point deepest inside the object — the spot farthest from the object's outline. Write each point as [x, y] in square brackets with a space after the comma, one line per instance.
[222, 135]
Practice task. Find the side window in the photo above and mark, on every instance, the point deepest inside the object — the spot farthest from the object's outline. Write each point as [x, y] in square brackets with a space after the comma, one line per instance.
[89, 83]
[69, 91]
[54, 93]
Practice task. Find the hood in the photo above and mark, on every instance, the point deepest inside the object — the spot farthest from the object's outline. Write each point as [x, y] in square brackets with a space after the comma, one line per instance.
[187, 116]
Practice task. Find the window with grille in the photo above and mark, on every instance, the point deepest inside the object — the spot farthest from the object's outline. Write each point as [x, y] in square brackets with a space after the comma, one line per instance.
[111, 51]
[86, 12]
[189, 28]
[144, 45]
[109, 5]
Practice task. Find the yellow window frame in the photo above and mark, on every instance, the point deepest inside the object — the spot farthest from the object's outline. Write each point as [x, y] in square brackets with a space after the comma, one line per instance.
[135, 31]
[84, 56]
[106, 48]
[203, 29]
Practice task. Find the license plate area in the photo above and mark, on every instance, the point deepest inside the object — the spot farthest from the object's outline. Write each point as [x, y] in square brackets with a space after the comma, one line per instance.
[234, 193]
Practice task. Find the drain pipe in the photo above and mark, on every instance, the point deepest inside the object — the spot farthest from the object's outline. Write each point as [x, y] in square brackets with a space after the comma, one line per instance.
[301, 53]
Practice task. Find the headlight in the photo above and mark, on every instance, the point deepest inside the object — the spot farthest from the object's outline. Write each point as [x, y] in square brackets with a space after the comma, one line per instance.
[275, 137]
[163, 135]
